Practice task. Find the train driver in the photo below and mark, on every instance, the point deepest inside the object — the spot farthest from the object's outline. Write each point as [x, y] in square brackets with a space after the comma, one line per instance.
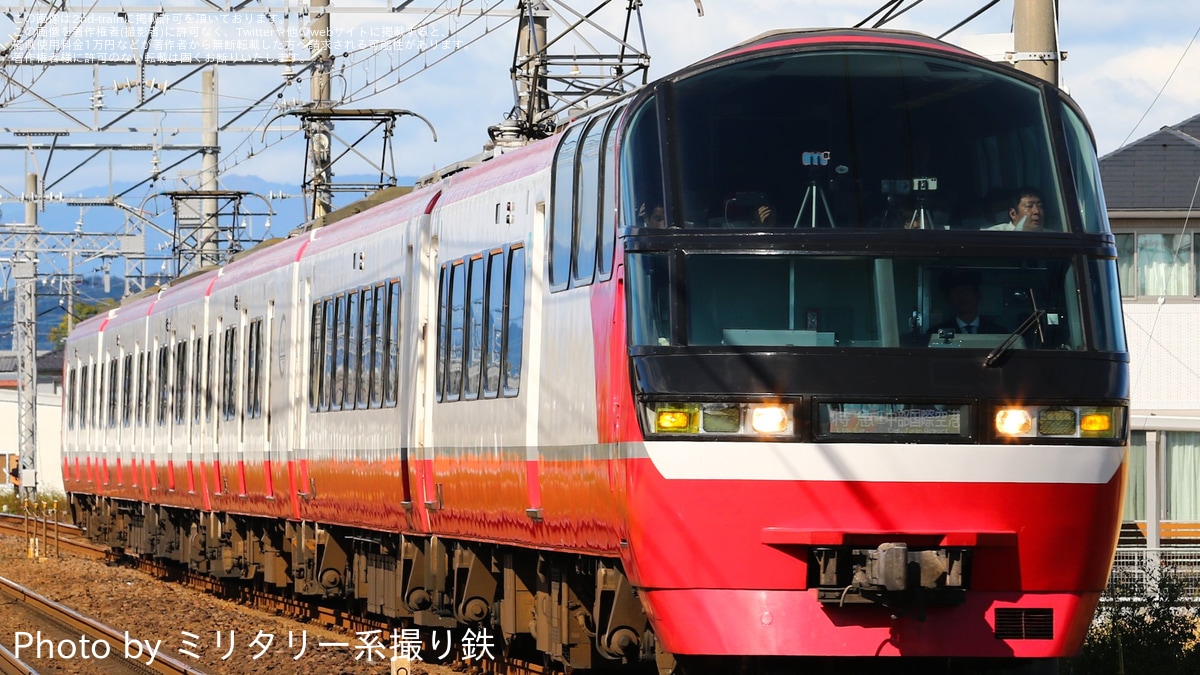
[1025, 212]
[963, 296]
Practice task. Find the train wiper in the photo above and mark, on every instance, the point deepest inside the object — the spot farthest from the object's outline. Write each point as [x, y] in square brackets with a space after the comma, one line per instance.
[1035, 318]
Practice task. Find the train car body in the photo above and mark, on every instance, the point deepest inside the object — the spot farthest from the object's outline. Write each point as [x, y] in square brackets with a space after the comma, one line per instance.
[683, 379]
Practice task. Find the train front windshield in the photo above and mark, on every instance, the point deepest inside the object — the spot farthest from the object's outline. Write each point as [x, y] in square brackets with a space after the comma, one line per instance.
[857, 140]
[768, 301]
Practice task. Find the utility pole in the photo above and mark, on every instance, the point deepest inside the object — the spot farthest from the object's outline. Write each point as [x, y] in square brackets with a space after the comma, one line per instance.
[207, 240]
[25, 328]
[1035, 38]
[319, 130]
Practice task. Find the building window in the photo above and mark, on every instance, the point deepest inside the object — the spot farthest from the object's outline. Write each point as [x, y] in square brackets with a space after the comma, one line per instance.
[1135, 478]
[1181, 453]
[1158, 264]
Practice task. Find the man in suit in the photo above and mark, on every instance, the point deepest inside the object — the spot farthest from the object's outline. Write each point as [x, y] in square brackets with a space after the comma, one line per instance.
[963, 296]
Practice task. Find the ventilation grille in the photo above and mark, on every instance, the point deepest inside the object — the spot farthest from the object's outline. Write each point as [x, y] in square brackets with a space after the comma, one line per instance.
[1024, 624]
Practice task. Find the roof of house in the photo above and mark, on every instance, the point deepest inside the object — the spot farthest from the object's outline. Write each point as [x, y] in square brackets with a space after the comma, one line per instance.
[49, 364]
[1155, 173]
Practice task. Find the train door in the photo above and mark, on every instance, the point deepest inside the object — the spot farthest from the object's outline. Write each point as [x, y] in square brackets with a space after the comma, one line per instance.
[306, 388]
[262, 402]
[425, 296]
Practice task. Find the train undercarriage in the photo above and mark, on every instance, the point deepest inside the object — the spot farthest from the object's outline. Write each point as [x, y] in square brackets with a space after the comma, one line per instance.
[569, 612]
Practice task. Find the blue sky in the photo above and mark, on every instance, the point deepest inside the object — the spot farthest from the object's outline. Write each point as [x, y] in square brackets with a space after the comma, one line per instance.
[1120, 58]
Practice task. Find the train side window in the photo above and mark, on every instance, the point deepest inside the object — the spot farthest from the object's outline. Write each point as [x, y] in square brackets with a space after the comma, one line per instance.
[112, 393]
[316, 349]
[608, 200]
[99, 396]
[197, 379]
[254, 369]
[163, 384]
[87, 413]
[562, 215]
[514, 321]
[339, 354]
[379, 346]
[493, 330]
[83, 396]
[587, 197]
[391, 380]
[209, 374]
[474, 337]
[181, 382]
[366, 346]
[229, 365]
[443, 319]
[139, 403]
[454, 334]
[327, 350]
[72, 395]
[126, 389]
[353, 347]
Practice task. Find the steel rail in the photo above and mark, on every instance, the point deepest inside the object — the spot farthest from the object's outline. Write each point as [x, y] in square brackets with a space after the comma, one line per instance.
[158, 663]
[11, 665]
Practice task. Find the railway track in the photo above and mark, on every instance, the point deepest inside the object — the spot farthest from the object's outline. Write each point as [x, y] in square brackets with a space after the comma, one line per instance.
[70, 540]
[68, 636]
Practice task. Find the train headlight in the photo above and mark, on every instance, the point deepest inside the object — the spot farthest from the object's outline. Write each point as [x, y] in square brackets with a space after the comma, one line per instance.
[676, 419]
[1107, 422]
[1014, 422]
[719, 419]
[769, 419]
[1061, 421]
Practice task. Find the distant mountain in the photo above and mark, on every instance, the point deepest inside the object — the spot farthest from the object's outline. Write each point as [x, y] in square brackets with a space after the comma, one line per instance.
[52, 308]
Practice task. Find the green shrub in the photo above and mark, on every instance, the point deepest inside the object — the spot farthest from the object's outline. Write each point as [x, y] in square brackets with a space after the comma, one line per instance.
[1146, 624]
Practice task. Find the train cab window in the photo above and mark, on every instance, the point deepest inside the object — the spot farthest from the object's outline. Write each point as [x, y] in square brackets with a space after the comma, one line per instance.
[739, 300]
[587, 212]
[1085, 169]
[391, 377]
[608, 199]
[844, 140]
[562, 216]
[493, 329]
[474, 323]
[514, 321]
[641, 171]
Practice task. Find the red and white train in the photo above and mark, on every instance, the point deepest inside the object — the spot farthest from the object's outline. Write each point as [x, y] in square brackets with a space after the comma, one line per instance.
[765, 359]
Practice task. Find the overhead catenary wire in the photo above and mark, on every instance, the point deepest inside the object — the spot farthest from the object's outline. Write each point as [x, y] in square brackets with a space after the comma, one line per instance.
[1162, 88]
